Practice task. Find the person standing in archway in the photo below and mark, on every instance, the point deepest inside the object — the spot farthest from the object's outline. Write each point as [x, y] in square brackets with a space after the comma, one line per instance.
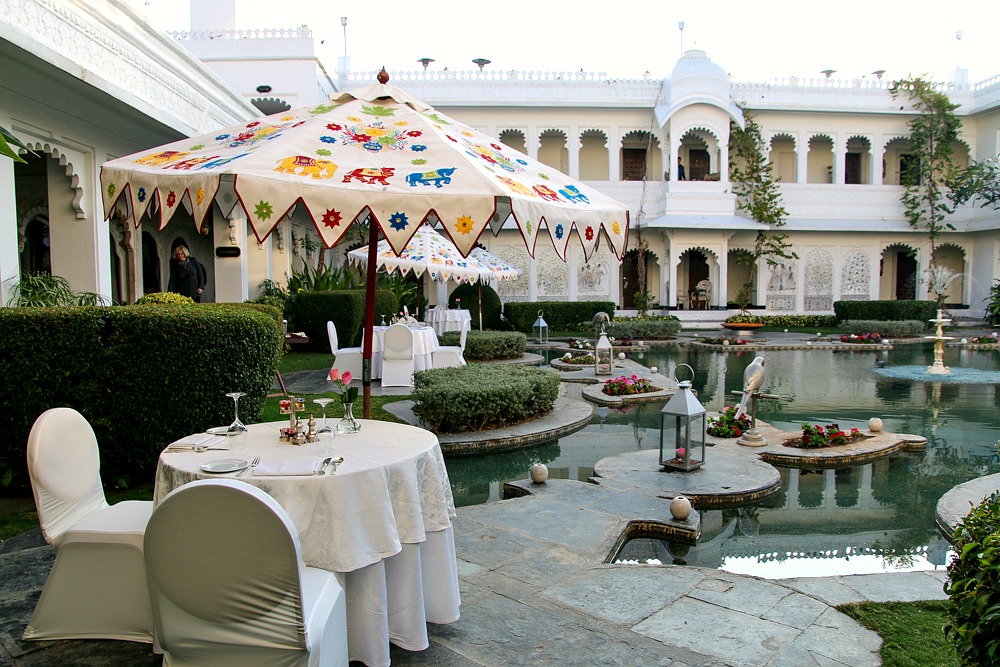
[187, 275]
[680, 171]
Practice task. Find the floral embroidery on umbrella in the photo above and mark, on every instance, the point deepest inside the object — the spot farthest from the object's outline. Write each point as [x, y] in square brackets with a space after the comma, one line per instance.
[333, 127]
[559, 231]
[527, 227]
[435, 118]
[199, 196]
[414, 133]
[418, 148]
[464, 224]
[398, 221]
[197, 147]
[323, 152]
[141, 194]
[327, 139]
[263, 210]
[252, 125]
[322, 108]
[401, 123]
[522, 162]
[111, 190]
[171, 199]
[589, 233]
[381, 112]
[544, 176]
[222, 137]
[354, 119]
[616, 228]
[418, 161]
[332, 218]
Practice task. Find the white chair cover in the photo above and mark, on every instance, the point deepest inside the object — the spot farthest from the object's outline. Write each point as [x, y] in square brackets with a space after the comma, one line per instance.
[449, 356]
[397, 357]
[97, 586]
[228, 585]
[345, 358]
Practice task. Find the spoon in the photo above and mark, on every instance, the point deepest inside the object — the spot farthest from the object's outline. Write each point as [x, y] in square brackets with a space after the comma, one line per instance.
[196, 448]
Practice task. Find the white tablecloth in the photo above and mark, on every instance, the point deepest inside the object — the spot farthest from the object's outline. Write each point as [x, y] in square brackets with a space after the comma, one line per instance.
[424, 343]
[446, 320]
[382, 523]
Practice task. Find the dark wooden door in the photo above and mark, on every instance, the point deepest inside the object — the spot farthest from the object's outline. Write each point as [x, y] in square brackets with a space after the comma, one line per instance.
[698, 169]
[852, 168]
[906, 276]
[633, 164]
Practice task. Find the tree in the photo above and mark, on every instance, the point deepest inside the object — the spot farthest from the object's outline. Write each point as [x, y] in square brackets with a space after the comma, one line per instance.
[757, 195]
[933, 132]
[979, 182]
[6, 139]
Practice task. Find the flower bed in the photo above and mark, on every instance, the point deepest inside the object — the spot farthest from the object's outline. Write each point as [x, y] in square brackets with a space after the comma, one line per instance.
[727, 424]
[626, 386]
[723, 340]
[580, 360]
[815, 436]
[581, 344]
[863, 339]
[985, 340]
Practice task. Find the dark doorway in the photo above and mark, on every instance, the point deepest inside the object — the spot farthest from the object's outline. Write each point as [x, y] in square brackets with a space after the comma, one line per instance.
[633, 164]
[630, 278]
[36, 256]
[852, 169]
[906, 276]
[697, 267]
[150, 265]
[699, 166]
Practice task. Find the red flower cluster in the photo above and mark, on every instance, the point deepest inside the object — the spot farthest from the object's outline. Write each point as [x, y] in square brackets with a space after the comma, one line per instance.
[863, 339]
[815, 436]
[623, 386]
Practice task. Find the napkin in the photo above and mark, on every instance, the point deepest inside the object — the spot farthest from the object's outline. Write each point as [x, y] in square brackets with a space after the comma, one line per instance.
[288, 467]
[197, 440]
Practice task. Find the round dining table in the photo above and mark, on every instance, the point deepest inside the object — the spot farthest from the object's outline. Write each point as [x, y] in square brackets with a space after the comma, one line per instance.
[425, 342]
[382, 521]
[447, 319]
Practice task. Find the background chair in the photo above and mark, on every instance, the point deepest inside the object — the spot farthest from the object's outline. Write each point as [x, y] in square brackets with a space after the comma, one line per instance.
[703, 294]
[97, 586]
[228, 585]
[449, 356]
[345, 358]
[397, 357]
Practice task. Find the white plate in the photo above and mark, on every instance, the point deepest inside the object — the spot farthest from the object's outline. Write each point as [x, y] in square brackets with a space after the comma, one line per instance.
[225, 465]
[219, 430]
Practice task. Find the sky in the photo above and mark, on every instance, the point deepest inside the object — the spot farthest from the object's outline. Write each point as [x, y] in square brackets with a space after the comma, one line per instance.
[753, 41]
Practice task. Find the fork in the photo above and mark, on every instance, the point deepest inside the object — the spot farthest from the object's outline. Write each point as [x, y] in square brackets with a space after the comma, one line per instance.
[250, 467]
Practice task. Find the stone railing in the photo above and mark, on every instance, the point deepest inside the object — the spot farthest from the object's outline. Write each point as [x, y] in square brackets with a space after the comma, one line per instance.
[253, 33]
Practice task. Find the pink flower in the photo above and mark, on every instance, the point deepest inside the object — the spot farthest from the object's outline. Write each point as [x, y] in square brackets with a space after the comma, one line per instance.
[346, 377]
[335, 374]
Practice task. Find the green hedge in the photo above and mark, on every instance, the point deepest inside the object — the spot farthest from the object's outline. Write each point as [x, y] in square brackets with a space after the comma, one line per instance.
[973, 586]
[479, 396]
[643, 328]
[488, 345]
[888, 329]
[900, 309]
[559, 315]
[310, 311]
[822, 321]
[469, 294]
[142, 375]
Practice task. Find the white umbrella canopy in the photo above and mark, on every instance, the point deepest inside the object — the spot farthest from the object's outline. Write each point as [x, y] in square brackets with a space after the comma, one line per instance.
[375, 150]
[499, 269]
[428, 252]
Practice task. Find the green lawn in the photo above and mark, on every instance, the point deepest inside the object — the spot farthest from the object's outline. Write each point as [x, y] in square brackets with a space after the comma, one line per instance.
[911, 632]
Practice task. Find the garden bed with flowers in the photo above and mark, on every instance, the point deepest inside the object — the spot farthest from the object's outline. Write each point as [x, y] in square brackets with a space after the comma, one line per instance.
[863, 339]
[627, 386]
[815, 436]
[727, 424]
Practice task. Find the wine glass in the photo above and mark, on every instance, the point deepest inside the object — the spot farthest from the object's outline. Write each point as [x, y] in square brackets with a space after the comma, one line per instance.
[237, 426]
[322, 403]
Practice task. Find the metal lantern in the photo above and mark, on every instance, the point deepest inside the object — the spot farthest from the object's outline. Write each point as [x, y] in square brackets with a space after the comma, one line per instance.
[682, 431]
[602, 355]
[540, 329]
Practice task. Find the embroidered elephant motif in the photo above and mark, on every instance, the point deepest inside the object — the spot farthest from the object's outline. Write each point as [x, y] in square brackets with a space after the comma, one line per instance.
[438, 177]
[164, 157]
[185, 165]
[303, 165]
[515, 186]
[546, 192]
[572, 193]
[378, 176]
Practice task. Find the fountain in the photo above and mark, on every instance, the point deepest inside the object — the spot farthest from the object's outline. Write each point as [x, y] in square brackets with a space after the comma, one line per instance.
[938, 367]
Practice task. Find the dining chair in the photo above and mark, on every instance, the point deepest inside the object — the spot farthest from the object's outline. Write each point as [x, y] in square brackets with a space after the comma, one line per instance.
[397, 357]
[345, 358]
[229, 587]
[704, 293]
[96, 588]
[451, 356]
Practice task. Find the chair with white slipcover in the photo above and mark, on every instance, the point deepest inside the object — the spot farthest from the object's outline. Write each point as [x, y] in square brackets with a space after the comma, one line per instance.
[228, 585]
[450, 356]
[345, 358]
[397, 357]
[97, 586]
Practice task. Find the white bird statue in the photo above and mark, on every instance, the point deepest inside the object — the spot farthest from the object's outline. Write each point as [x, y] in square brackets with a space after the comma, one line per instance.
[753, 378]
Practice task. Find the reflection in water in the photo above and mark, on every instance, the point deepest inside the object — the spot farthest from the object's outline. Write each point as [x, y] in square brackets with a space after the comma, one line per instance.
[871, 518]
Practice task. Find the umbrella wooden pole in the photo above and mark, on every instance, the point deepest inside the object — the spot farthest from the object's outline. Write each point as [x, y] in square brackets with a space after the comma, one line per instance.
[479, 285]
[369, 327]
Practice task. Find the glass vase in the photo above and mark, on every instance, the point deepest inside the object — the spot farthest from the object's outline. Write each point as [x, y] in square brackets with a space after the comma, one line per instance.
[348, 424]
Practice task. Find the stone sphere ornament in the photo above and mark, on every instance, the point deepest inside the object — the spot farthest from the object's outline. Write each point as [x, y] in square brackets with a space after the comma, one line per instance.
[653, 369]
[680, 508]
[875, 425]
[621, 355]
[539, 473]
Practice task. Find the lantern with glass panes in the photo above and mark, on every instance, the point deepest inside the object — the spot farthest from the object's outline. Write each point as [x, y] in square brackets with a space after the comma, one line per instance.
[682, 431]
[540, 329]
[602, 355]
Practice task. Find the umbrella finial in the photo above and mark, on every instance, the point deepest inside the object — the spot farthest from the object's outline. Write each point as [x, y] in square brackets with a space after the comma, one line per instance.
[383, 76]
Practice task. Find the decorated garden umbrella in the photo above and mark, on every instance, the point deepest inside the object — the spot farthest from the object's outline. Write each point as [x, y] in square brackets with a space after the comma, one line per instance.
[376, 154]
[499, 269]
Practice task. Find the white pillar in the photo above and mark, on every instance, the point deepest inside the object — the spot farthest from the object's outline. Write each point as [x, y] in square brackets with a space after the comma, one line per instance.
[80, 248]
[10, 264]
[231, 273]
[259, 264]
[614, 155]
[830, 488]
[839, 159]
[801, 158]
[573, 146]
[878, 155]
[532, 142]
[724, 162]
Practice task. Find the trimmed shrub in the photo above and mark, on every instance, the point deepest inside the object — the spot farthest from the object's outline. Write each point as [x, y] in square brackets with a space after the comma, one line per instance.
[469, 294]
[143, 376]
[888, 309]
[812, 321]
[163, 297]
[973, 586]
[488, 345]
[559, 315]
[310, 311]
[478, 396]
[643, 328]
[888, 329]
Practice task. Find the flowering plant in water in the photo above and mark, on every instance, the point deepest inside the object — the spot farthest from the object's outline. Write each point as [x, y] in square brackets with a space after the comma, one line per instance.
[623, 386]
[581, 360]
[863, 339]
[582, 344]
[727, 424]
[724, 340]
[985, 340]
[348, 394]
[815, 436]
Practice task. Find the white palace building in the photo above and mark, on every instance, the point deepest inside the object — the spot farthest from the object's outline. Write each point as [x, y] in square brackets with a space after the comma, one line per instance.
[88, 81]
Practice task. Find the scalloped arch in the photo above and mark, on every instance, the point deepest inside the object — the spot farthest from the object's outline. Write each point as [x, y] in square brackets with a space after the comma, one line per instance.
[74, 179]
[818, 135]
[594, 132]
[707, 251]
[781, 135]
[554, 131]
[699, 128]
[898, 244]
[33, 213]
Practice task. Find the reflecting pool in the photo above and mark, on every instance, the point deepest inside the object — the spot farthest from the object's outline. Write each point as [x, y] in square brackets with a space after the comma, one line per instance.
[871, 518]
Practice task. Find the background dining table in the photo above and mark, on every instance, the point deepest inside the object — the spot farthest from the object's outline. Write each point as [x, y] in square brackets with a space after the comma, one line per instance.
[447, 319]
[424, 343]
[382, 523]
